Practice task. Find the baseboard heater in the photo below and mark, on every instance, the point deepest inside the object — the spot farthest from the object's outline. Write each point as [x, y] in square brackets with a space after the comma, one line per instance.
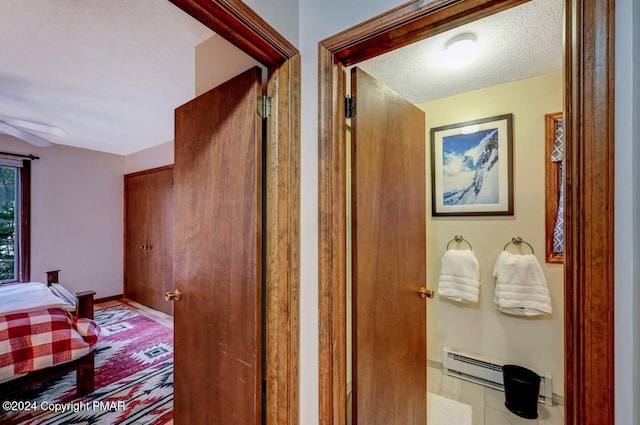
[485, 371]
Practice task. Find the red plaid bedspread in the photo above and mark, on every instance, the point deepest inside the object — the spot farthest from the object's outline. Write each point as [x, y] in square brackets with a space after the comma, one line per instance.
[41, 339]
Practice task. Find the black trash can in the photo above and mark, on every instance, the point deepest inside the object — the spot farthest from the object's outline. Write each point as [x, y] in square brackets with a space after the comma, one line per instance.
[521, 389]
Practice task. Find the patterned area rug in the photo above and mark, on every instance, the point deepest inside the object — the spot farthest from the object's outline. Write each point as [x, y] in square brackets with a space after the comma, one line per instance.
[133, 378]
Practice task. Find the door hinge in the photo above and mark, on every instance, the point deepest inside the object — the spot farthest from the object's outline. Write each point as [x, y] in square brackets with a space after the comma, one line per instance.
[350, 107]
[264, 106]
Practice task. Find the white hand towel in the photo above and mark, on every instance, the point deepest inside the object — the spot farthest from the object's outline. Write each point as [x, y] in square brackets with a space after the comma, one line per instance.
[521, 287]
[459, 276]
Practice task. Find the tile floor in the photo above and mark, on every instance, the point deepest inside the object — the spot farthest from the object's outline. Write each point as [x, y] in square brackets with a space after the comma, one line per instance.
[487, 404]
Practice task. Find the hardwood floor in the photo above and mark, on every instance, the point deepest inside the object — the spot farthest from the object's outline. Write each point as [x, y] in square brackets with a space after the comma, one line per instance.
[156, 315]
[487, 405]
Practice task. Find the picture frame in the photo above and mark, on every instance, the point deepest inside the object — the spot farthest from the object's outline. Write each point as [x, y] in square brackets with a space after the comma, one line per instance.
[472, 168]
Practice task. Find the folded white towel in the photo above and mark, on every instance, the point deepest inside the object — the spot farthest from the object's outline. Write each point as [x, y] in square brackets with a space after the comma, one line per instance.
[521, 287]
[459, 276]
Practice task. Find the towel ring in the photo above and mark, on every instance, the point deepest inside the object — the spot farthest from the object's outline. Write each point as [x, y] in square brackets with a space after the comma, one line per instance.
[459, 238]
[517, 240]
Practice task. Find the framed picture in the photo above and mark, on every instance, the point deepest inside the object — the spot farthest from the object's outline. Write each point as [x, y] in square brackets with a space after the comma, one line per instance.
[472, 167]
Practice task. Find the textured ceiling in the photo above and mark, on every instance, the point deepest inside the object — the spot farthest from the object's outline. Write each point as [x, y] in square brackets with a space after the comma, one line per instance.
[109, 73]
[512, 45]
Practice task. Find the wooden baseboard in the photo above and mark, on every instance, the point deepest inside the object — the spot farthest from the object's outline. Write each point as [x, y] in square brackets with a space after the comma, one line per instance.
[106, 299]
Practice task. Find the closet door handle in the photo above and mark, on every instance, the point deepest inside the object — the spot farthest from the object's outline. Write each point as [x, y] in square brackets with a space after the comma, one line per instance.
[176, 295]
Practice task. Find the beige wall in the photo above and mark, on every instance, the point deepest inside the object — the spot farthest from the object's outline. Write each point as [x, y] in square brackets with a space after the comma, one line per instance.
[217, 61]
[146, 159]
[76, 216]
[481, 328]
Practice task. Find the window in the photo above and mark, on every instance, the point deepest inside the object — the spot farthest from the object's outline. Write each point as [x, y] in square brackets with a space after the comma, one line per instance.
[554, 176]
[14, 220]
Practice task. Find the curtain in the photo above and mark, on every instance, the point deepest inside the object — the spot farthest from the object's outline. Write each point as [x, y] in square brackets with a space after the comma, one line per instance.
[558, 156]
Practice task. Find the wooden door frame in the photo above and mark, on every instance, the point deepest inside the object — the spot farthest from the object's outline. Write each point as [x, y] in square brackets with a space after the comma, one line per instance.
[589, 259]
[241, 26]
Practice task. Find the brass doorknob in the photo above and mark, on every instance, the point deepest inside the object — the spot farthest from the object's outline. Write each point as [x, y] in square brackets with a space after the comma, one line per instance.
[173, 296]
[425, 293]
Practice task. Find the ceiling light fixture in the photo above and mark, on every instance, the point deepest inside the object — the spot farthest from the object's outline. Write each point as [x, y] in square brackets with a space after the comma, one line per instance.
[461, 50]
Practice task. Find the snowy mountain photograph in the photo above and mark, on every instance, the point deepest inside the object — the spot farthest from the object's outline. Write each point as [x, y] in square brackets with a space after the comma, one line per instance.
[472, 167]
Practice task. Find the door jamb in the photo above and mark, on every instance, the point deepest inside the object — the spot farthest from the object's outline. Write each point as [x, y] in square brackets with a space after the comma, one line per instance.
[589, 215]
[241, 26]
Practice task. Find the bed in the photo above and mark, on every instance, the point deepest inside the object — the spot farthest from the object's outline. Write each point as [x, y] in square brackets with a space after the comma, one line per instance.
[43, 340]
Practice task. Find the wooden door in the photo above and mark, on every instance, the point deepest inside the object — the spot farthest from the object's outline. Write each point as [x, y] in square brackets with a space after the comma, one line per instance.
[159, 249]
[217, 235]
[149, 237]
[136, 217]
[389, 264]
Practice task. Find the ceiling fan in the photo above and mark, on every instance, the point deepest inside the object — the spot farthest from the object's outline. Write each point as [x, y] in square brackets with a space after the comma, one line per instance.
[18, 128]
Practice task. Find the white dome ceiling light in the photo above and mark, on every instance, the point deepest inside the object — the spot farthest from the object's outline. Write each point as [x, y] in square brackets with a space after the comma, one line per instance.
[461, 50]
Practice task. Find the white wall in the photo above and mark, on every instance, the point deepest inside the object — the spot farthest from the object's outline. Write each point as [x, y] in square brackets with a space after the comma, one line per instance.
[480, 328]
[76, 216]
[146, 159]
[280, 14]
[318, 20]
[627, 205]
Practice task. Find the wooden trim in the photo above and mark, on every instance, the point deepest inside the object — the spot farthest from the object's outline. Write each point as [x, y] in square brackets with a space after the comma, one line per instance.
[589, 212]
[149, 171]
[407, 24]
[332, 241]
[282, 247]
[241, 26]
[589, 278]
[552, 188]
[107, 299]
